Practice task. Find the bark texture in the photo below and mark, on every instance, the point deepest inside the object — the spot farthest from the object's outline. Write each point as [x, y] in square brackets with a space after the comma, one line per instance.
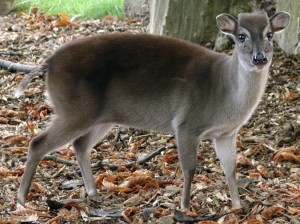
[5, 6]
[192, 20]
[289, 39]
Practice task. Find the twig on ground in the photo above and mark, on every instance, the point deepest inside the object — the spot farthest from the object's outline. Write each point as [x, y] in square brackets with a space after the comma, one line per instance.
[99, 164]
[270, 148]
[58, 172]
[55, 159]
[11, 53]
[11, 66]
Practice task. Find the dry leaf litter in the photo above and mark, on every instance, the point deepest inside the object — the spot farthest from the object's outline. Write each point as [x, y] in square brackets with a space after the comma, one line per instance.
[268, 168]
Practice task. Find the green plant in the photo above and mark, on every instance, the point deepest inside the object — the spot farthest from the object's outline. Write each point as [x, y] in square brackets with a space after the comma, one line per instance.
[75, 8]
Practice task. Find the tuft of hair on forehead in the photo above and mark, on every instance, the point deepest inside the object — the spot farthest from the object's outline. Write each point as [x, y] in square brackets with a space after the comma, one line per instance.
[258, 19]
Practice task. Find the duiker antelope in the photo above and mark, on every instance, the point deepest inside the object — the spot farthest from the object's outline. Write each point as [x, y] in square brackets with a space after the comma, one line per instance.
[158, 83]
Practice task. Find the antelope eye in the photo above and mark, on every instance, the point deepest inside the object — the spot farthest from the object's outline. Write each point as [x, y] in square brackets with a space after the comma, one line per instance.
[270, 36]
[242, 38]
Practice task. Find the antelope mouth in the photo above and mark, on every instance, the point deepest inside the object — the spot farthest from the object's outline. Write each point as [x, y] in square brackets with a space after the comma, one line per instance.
[260, 60]
[260, 65]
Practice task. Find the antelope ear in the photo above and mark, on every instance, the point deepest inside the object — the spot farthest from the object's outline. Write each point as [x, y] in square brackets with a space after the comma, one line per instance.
[280, 21]
[226, 23]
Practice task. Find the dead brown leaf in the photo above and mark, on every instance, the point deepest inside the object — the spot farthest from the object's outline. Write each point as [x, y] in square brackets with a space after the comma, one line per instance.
[55, 220]
[243, 161]
[207, 222]
[22, 211]
[111, 187]
[64, 21]
[294, 211]
[68, 215]
[139, 180]
[18, 140]
[19, 219]
[203, 178]
[38, 187]
[189, 213]
[4, 171]
[127, 212]
[110, 18]
[160, 212]
[263, 170]
[32, 91]
[290, 96]
[3, 120]
[269, 212]
[287, 154]
[253, 221]
[254, 175]
[170, 156]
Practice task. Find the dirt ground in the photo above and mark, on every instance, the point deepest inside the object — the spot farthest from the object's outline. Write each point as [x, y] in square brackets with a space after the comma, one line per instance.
[268, 157]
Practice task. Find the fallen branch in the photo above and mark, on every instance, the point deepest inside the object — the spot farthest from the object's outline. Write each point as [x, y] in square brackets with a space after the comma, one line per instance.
[11, 66]
[99, 164]
[11, 53]
[55, 159]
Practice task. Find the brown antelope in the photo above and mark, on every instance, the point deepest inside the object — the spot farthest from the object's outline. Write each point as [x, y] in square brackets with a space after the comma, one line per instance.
[158, 83]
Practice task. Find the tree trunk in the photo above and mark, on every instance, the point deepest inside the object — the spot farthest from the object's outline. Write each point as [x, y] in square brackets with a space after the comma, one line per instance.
[192, 20]
[137, 9]
[5, 6]
[289, 39]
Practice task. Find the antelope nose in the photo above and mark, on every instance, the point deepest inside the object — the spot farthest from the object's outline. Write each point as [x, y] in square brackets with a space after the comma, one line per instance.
[260, 59]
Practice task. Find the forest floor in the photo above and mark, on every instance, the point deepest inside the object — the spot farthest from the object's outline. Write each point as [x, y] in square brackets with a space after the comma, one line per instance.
[268, 168]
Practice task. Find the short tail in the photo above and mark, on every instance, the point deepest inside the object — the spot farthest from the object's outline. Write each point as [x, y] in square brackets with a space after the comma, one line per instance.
[27, 79]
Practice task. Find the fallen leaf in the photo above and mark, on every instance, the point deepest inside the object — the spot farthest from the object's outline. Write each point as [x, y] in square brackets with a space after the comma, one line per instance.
[133, 147]
[243, 161]
[4, 172]
[127, 212]
[19, 78]
[134, 200]
[254, 175]
[38, 187]
[269, 212]
[164, 183]
[285, 156]
[160, 212]
[140, 180]
[68, 215]
[34, 10]
[3, 120]
[18, 140]
[207, 222]
[294, 211]
[203, 178]
[170, 156]
[22, 211]
[110, 18]
[263, 170]
[290, 96]
[64, 21]
[55, 220]
[189, 213]
[114, 188]
[252, 221]
[32, 91]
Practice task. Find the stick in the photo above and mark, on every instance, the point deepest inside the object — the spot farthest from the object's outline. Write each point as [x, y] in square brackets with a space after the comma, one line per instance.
[99, 164]
[11, 53]
[11, 66]
[55, 159]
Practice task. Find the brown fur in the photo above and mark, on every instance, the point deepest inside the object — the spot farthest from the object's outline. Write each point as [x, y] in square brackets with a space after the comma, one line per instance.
[158, 83]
